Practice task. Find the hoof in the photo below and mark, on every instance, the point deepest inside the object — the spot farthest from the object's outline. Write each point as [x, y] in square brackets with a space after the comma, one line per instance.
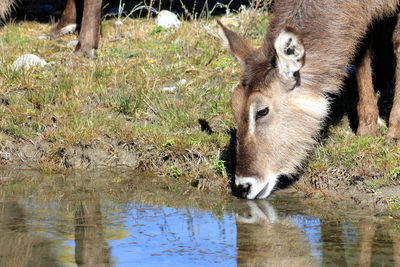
[393, 139]
[88, 52]
[367, 130]
[393, 134]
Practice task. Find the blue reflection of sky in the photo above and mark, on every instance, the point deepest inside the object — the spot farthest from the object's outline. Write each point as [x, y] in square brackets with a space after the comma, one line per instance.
[162, 236]
[165, 236]
[311, 227]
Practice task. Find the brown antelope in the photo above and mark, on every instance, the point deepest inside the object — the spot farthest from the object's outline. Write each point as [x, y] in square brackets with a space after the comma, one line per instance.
[281, 102]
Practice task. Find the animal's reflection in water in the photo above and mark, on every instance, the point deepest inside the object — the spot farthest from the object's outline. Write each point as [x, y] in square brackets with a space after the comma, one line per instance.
[91, 248]
[264, 239]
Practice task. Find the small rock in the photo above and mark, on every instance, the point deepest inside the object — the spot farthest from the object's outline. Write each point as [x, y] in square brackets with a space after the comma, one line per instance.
[42, 37]
[118, 23]
[28, 61]
[72, 43]
[169, 89]
[167, 20]
[68, 29]
[181, 82]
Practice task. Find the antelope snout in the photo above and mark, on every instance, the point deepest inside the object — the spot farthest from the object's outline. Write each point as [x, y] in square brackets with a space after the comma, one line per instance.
[252, 187]
[242, 190]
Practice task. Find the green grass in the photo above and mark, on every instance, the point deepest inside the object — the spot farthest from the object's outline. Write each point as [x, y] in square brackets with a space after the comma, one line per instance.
[369, 157]
[119, 96]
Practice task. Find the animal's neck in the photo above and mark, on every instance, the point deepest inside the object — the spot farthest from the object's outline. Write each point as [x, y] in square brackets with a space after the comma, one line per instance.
[331, 31]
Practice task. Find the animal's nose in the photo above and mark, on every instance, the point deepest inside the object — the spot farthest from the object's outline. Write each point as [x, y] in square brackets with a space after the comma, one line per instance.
[242, 190]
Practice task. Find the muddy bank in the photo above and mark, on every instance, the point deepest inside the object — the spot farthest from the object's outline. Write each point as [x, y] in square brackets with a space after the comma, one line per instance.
[335, 187]
[190, 165]
[344, 190]
[33, 154]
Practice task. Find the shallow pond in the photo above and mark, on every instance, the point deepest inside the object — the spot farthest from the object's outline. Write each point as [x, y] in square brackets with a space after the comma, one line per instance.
[115, 218]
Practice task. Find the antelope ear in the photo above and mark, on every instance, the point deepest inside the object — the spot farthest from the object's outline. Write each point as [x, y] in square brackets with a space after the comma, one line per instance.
[234, 42]
[290, 56]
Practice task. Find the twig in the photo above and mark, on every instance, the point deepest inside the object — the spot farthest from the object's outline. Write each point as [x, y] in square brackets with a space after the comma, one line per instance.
[151, 6]
[186, 10]
[222, 6]
[137, 7]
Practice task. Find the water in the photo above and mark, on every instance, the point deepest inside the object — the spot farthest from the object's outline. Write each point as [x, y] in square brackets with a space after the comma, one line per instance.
[124, 219]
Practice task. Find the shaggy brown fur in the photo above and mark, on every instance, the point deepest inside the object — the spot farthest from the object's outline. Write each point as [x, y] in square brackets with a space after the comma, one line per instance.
[305, 55]
[385, 58]
[90, 32]
[5, 7]
[90, 29]
[367, 106]
[394, 119]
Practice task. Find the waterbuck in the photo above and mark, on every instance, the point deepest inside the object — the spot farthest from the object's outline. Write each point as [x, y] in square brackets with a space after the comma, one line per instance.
[281, 102]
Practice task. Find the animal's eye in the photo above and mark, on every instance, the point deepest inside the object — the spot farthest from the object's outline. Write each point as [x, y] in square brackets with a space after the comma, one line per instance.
[262, 112]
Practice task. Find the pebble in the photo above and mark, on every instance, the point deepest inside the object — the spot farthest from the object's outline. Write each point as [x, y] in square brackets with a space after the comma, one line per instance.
[167, 20]
[42, 37]
[181, 82]
[171, 89]
[28, 61]
[72, 43]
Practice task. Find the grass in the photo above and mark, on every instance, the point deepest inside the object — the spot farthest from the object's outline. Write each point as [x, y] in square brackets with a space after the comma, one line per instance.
[119, 96]
[371, 158]
[79, 102]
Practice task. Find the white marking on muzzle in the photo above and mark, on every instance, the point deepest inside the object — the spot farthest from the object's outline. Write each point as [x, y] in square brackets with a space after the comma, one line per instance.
[258, 188]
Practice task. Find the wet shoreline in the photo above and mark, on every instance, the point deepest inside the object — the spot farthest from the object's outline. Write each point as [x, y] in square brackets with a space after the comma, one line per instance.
[119, 218]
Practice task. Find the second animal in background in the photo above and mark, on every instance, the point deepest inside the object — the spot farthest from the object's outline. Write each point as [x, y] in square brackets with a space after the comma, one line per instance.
[88, 14]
